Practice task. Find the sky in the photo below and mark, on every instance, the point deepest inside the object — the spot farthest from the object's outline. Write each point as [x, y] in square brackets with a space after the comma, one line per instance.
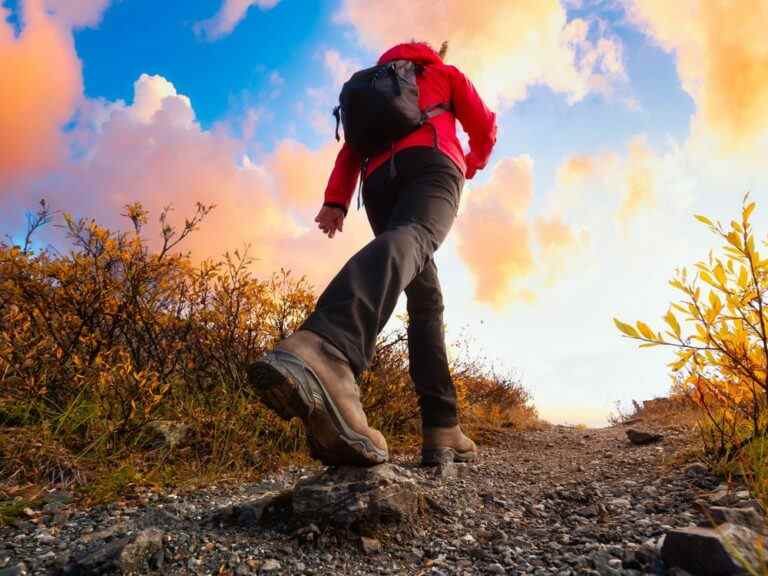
[618, 121]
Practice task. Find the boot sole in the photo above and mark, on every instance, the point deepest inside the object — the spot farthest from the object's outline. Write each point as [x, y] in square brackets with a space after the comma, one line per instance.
[291, 396]
[437, 456]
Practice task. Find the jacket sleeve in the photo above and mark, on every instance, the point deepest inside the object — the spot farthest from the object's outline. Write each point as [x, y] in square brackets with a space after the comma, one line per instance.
[341, 184]
[478, 121]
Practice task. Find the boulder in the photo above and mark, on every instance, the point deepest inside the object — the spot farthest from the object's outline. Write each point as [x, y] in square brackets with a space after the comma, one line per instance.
[749, 517]
[350, 496]
[713, 551]
[139, 553]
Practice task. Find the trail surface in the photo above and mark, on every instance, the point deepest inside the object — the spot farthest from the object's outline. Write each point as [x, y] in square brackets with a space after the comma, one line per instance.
[560, 501]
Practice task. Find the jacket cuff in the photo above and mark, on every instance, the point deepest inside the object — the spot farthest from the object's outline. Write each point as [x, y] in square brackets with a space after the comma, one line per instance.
[341, 207]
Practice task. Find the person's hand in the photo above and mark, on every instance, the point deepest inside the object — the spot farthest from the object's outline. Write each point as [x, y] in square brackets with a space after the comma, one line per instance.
[330, 219]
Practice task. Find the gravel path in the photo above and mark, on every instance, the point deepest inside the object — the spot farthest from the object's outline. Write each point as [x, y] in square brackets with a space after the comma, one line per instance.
[560, 501]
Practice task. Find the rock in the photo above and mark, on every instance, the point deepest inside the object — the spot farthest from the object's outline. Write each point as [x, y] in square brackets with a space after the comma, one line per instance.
[696, 470]
[708, 551]
[352, 496]
[167, 433]
[269, 566]
[495, 568]
[370, 545]
[262, 510]
[748, 517]
[17, 570]
[139, 553]
[640, 438]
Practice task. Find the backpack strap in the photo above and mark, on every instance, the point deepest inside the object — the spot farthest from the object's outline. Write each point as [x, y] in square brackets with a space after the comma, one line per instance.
[433, 111]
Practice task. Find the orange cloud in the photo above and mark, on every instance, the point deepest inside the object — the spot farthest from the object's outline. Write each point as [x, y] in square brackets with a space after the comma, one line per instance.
[722, 59]
[229, 15]
[505, 47]
[300, 173]
[627, 183]
[154, 151]
[42, 96]
[494, 238]
[640, 184]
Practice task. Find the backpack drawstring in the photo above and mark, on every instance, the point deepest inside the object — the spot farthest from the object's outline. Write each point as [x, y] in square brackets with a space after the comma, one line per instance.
[337, 115]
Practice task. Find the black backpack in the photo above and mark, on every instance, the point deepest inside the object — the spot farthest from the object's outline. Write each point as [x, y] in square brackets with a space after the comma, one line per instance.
[380, 105]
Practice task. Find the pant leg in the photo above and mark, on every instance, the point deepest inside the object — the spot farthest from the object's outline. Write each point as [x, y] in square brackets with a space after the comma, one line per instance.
[357, 303]
[426, 350]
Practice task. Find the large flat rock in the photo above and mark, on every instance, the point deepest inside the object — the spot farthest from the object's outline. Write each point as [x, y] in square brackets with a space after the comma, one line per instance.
[348, 496]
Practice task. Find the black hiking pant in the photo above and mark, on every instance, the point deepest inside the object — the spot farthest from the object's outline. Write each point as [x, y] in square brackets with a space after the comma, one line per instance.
[410, 216]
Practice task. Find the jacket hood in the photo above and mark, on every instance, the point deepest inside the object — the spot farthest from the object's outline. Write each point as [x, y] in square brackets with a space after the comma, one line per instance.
[414, 51]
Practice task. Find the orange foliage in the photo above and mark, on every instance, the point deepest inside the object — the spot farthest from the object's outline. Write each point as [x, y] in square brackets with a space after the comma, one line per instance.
[98, 343]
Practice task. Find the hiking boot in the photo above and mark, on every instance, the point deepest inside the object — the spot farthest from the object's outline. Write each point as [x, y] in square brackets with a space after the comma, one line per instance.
[309, 378]
[446, 444]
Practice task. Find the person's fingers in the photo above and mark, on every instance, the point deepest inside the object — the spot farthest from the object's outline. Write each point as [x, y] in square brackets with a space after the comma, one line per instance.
[340, 223]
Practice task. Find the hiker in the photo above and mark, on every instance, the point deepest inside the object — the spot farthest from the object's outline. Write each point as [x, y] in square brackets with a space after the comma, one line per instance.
[411, 185]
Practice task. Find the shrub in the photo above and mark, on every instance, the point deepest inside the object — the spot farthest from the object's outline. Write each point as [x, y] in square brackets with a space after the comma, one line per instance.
[719, 330]
[101, 341]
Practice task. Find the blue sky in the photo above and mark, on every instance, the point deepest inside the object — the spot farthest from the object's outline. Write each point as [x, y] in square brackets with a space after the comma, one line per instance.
[613, 137]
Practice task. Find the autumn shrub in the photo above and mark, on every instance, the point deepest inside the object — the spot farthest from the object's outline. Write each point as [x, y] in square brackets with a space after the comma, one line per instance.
[99, 343]
[719, 330]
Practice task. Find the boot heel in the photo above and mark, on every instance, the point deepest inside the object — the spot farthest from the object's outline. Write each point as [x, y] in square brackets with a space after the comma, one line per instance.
[276, 390]
[436, 456]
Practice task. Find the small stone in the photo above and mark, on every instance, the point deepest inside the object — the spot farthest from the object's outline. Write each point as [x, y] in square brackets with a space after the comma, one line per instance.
[139, 553]
[269, 566]
[640, 438]
[17, 570]
[495, 568]
[696, 470]
[707, 551]
[253, 513]
[370, 545]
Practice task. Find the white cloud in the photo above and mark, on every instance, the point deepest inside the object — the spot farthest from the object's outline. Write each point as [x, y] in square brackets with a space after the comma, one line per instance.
[229, 16]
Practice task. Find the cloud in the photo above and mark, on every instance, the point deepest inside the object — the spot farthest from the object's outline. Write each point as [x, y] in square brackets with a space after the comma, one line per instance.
[154, 151]
[229, 15]
[45, 88]
[626, 184]
[511, 252]
[493, 212]
[640, 181]
[78, 13]
[340, 68]
[722, 60]
[505, 47]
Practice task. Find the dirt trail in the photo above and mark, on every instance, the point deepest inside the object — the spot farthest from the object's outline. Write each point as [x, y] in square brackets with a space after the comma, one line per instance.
[560, 501]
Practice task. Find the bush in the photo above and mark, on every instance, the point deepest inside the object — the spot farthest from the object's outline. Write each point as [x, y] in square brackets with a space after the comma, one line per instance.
[98, 343]
[722, 343]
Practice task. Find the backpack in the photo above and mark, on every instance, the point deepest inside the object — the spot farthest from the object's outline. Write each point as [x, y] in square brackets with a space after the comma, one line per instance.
[380, 105]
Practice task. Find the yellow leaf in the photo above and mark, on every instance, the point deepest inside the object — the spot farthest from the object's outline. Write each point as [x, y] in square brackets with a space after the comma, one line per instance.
[672, 322]
[626, 328]
[720, 274]
[703, 219]
[743, 278]
[748, 211]
[645, 330]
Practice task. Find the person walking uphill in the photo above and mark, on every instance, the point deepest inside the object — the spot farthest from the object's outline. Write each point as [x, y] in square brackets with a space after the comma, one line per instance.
[399, 121]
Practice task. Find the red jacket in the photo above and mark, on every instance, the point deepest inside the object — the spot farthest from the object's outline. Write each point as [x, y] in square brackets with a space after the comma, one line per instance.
[439, 83]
